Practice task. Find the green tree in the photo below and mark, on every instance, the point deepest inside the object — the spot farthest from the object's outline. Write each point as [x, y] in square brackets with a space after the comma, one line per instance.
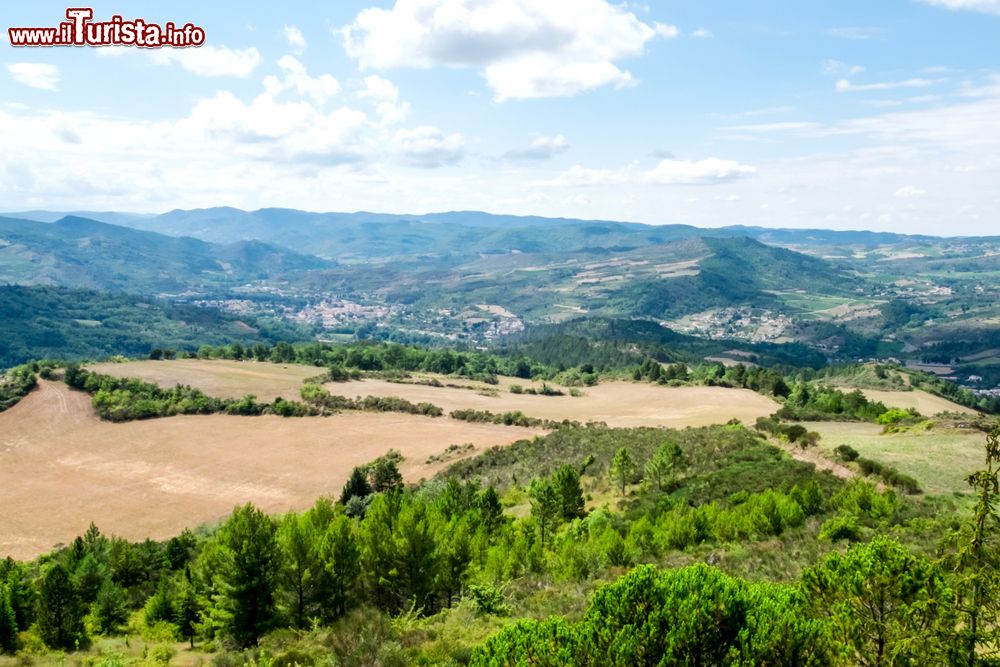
[378, 548]
[340, 559]
[550, 643]
[60, 613]
[622, 469]
[665, 464]
[109, 609]
[357, 486]
[416, 554]
[8, 622]
[975, 560]
[546, 506]
[490, 509]
[885, 605]
[566, 481]
[247, 580]
[298, 538]
[384, 474]
[187, 612]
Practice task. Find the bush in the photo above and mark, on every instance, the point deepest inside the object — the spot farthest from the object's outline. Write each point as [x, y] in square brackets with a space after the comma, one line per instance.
[488, 600]
[841, 527]
[846, 453]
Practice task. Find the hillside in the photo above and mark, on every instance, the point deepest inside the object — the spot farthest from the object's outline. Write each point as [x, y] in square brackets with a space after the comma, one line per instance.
[81, 253]
[52, 322]
[477, 278]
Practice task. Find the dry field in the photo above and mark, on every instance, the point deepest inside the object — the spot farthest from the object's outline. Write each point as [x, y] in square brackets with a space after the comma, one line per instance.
[220, 378]
[61, 467]
[616, 403]
[926, 404]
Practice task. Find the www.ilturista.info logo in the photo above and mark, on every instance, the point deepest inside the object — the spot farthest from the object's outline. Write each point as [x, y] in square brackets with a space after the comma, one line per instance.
[81, 30]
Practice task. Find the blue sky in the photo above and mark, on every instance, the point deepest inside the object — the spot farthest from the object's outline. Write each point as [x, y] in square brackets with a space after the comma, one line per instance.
[843, 114]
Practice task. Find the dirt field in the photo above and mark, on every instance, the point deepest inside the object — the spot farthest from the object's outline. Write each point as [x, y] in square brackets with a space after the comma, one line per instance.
[926, 404]
[939, 460]
[617, 403]
[221, 378]
[61, 467]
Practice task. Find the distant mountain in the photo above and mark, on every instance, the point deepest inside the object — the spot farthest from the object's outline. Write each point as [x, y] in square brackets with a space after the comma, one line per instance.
[82, 253]
[363, 236]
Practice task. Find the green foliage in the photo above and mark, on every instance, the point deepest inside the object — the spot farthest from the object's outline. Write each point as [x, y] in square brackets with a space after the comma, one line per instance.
[57, 323]
[109, 610]
[8, 622]
[546, 507]
[664, 465]
[691, 616]
[885, 605]
[846, 453]
[16, 383]
[246, 575]
[323, 402]
[60, 612]
[809, 402]
[566, 482]
[514, 418]
[974, 558]
[841, 527]
[622, 469]
[889, 475]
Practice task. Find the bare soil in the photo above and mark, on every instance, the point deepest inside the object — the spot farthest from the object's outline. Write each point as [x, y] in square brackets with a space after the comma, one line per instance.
[61, 467]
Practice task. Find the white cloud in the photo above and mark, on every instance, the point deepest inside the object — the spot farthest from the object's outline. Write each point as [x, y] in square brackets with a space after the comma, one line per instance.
[667, 172]
[210, 60]
[37, 75]
[524, 49]
[855, 32]
[987, 6]
[578, 175]
[909, 192]
[845, 86]
[386, 96]
[666, 30]
[702, 33]
[541, 148]
[296, 78]
[838, 68]
[296, 40]
[428, 147]
[685, 172]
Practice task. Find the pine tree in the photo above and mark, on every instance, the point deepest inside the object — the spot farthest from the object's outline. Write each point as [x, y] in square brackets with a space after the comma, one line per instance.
[109, 610]
[976, 562]
[248, 577]
[566, 481]
[622, 469]
[60, 614]
[545, 507]
[187, 612]
[8, 622]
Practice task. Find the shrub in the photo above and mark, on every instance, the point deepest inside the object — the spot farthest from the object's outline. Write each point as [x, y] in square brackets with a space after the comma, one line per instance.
[841, 527]
[846, 453]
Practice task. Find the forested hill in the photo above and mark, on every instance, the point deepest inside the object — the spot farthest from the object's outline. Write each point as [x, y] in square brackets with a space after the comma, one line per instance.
[77, 252]
[52, 322]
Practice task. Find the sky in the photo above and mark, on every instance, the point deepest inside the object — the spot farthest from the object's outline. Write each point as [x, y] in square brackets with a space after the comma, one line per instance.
[838, 114]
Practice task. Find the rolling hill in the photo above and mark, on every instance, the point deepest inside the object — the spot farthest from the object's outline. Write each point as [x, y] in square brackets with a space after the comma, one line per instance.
[82, 253]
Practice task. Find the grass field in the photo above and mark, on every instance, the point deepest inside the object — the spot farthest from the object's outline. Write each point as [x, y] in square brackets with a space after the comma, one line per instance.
[221, 378]
[61, 467]
[926, 404]
[939, 460]
[616, 403]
